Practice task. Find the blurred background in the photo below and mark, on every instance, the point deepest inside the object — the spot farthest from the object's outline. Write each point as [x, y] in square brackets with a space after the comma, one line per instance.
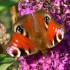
[8, 13]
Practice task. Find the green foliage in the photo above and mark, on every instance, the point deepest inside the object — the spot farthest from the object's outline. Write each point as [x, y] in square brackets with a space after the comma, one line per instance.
[8, 63]
[5, 59]
[5, 66]
[6, 21]
[6, 4]
[14, 66]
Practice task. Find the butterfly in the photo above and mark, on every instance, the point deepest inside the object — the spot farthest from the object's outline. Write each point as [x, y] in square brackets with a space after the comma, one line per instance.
[36, 32]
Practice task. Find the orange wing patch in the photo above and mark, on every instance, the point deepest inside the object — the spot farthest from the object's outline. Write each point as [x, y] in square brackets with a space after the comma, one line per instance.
[51, 31]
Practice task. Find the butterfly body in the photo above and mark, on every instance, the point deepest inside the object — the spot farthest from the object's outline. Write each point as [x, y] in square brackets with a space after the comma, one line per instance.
[39, 29]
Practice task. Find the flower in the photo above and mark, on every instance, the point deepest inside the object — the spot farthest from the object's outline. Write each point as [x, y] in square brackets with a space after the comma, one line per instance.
[60, 66]
[48, 60]
[4, 36]
[45, 66]
[41, 60]
[45, 62]
[34, 64]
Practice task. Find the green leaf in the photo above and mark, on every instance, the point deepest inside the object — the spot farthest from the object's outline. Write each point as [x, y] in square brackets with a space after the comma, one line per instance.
[2, 56]
[5, 59]
[5, 66]
[6, 4]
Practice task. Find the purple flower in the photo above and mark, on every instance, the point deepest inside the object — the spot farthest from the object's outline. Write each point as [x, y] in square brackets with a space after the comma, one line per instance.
[56, 55]
[21, 58]
[57, 3]
[48, 60]
[60, 66]
[64, 59]
[52, 54]
[41, 60]
[45, 66]
[34, 64]
[26, 67]
[55, 62]
[19, 6]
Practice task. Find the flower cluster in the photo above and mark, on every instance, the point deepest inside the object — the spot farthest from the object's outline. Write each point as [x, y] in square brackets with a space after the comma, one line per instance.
[56, 7]
[54, 61]
[60, 10]
[4, 37]
[29, 7]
